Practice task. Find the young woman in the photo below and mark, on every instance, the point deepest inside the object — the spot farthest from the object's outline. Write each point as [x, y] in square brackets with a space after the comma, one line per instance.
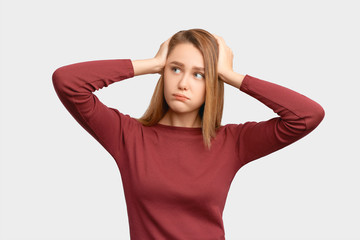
[177, 161]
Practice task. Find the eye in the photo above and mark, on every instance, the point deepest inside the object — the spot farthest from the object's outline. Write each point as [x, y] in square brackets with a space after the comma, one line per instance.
[199, 75]
[175, 69]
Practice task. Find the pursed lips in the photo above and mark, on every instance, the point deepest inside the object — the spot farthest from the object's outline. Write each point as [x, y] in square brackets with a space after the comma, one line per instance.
[180, 95]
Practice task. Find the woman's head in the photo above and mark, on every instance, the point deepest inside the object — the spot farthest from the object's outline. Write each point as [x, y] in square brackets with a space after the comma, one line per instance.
[184, 74]
[191, 70]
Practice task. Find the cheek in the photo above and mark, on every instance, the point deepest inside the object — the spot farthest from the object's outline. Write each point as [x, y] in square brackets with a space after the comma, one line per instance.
[201, 90]
[167, 89]
[166, 84]
[170, 83]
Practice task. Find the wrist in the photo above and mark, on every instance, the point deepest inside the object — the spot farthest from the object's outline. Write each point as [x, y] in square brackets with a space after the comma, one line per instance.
[146, 66]
[232, 78]
[157, 64]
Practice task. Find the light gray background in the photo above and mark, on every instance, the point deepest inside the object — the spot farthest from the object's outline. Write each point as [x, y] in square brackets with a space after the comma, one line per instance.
[57, 182]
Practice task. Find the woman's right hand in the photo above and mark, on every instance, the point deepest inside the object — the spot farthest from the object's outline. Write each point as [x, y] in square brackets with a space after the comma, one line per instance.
[162, 54]
[152, 65]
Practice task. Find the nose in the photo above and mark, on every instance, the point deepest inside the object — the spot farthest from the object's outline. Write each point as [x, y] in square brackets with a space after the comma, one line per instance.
[183, 83]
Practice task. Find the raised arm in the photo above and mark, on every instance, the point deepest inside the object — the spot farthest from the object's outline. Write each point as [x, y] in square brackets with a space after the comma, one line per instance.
[297, 114]
[75, 84]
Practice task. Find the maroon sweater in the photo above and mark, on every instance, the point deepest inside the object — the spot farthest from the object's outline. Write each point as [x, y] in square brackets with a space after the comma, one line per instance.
[174, 187]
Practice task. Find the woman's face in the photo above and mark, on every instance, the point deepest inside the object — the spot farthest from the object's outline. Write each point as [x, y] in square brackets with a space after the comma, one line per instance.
[184, 75]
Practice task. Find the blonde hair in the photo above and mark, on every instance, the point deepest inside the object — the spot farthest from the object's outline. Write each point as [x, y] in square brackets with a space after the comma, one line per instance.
[211, 111]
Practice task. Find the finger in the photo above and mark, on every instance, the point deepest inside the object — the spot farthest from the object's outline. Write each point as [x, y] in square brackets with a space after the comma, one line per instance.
[216, 37]
[220, 39]
[221, 42]
[168, 40]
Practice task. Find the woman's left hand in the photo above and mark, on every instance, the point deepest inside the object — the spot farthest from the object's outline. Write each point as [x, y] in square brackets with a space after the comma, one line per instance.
[225, 64]
[226, 56]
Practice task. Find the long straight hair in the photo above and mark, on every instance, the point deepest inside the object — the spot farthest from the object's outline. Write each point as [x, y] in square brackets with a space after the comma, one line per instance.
[211, 111]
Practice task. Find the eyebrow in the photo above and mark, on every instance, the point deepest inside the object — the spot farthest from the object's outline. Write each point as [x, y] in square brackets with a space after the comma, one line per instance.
[182, 65]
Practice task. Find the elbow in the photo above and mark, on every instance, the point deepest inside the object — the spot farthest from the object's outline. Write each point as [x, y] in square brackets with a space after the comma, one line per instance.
[316, 117]
[57, 78]
[299, 127]
[61, 78]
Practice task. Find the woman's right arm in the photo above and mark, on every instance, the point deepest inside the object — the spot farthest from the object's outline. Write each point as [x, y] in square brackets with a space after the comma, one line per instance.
[75, 84]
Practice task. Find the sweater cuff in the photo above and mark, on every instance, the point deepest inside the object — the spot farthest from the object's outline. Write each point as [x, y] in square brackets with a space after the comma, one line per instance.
[244, 87]
[129, 67]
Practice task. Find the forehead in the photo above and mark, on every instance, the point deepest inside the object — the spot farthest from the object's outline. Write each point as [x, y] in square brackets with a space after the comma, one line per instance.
[187, 54]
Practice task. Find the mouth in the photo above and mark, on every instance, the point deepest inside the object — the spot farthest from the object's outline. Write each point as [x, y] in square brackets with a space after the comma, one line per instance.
[180, 97]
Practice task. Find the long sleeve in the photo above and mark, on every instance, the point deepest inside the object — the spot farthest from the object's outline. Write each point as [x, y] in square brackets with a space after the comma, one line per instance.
[297, 116]
[75, 84]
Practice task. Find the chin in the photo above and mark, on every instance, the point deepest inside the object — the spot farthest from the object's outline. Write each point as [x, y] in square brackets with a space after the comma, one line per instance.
[182, 109]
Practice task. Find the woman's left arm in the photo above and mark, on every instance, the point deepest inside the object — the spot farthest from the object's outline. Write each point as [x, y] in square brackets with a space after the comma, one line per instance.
[298, 114]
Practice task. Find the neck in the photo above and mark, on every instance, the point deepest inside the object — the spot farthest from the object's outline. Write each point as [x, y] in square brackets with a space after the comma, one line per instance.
[191, 120]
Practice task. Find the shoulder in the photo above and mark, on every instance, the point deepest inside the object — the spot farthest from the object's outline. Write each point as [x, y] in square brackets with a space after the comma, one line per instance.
[230, 129]
[127, 122]
[235, 130]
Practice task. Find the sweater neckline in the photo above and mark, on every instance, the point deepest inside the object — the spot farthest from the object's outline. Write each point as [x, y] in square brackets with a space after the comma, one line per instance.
[181, 129]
